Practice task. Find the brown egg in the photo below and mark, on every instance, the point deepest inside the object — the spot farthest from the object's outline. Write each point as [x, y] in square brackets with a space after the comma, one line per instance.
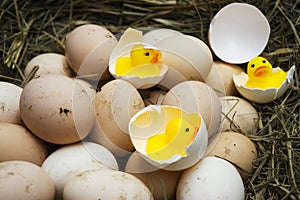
[238, 115]
[88, 48]
[17, 143]
[161, 183]
[115, 104]
[57, 109]
[235, 148]
[220, 78]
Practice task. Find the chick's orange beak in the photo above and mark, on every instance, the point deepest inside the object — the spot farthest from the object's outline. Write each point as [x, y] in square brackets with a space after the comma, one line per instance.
[260, 71]
[195, 133]
[156, 57]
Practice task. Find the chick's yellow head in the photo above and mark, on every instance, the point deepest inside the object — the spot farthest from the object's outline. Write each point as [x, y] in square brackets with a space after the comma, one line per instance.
[259, 67]
[180, 128]
[141, 55]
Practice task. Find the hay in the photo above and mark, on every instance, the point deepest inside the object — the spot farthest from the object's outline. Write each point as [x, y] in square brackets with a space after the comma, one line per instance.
[29, 28]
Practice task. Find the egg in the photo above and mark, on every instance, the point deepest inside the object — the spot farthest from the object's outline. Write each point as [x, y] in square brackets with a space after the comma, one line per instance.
[115, 104]
[211, 178]
[156, 35]
[25, 180]
[238, 33]
[235, 148]
[48, 63]
[18, 143]
[70, 160]
[192, 61]
[168, 137]
[87, 49]
[105, 184]
[9, 103]
[196, 96]
[262, 96]
[57, 109]
[124, 49]
[220, 78]
[238, 115]
[161, 183]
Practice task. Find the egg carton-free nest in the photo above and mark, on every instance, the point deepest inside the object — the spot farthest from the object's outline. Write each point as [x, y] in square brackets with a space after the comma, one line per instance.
[29, 28]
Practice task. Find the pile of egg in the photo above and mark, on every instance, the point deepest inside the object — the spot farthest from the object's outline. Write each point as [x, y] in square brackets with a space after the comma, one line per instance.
[101, 120]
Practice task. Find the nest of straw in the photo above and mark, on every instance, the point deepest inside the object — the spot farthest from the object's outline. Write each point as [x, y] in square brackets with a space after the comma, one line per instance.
[29, 28]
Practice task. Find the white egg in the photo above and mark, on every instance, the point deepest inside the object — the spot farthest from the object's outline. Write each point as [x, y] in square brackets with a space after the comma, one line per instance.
[210, 179]
[70, 160]
[9, 103]
[238, 33]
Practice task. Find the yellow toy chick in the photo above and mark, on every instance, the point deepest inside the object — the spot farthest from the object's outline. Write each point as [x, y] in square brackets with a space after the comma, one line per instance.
[262, 76]
[179, 134]
[143, 62]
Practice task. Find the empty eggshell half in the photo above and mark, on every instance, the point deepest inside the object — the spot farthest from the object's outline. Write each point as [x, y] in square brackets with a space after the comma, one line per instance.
[114, 105]
[238, 33]
[128, 40]
[262, 95]
[183, 147]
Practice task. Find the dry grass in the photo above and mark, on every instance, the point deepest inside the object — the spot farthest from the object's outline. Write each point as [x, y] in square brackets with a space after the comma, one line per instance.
[29, 28]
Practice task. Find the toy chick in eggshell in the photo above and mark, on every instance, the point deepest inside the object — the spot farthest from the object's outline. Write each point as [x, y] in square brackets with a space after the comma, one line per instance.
[179, 134]
[261, 75]
[142, 61]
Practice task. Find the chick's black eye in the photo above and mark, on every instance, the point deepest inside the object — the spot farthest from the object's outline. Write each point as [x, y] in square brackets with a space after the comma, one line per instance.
[252, 65]
[147, 54]
[187, 130]
[264, 61]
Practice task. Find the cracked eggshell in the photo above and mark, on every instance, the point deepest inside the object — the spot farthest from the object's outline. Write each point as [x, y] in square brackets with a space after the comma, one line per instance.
[18, 143]
[152, 120]
[87, 50]
[154, 36]
[57, 109]
[262, 96]
[238, 115]
[192, 61]
[196, 96]
[238, 33]
[25, 180]
[70, 160]
[9, 103]
[130, 38]
[105, 184]
[211, 178]
[235, 148]
[48, 63]
[115, 104]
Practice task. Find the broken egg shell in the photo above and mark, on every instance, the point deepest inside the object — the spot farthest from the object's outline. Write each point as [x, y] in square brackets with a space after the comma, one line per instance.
[114, 105]
[238, 33]
[136, 81]
[152, 120]
[9, 103]
[192, 60]
[262, 96]
[196, 96]
[49, 63]
[88, 48]
[235, 148]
